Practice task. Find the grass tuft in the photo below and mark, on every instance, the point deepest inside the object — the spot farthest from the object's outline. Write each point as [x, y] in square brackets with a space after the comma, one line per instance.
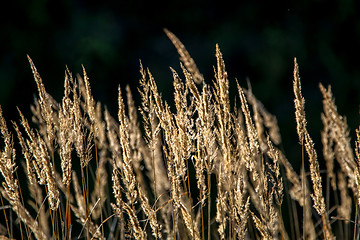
[205, 170]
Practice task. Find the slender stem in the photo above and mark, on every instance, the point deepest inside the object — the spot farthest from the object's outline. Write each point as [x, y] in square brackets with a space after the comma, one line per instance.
[84, 186]
[51, 214]
[87, 199]
[6, 219]
[202, 215]
[22, 202]
[355, 226]
[303, 187]
[174, 221]
[98, 179]
[68, 213]
[209, 202]
[188, 177]
[153, 163]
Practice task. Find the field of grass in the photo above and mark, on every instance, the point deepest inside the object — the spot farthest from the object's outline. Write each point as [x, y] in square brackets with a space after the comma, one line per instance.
[205, 168]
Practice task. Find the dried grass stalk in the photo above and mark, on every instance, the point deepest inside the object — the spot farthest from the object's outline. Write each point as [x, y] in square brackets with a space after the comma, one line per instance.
[318, 198]
[10, 185]
[338, 136]
[185, 57]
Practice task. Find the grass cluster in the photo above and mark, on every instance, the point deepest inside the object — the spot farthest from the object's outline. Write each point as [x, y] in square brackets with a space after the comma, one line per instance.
[202, 169]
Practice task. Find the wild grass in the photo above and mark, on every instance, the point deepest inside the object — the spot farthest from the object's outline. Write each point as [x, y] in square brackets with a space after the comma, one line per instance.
[204, 168]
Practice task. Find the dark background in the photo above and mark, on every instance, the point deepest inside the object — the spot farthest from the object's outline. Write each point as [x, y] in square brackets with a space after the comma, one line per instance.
[258, 39]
